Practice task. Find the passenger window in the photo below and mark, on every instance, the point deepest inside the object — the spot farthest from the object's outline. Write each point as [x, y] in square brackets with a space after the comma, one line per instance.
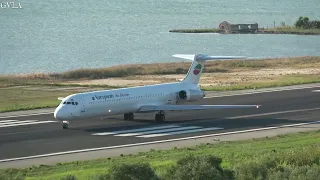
[72, 103]
[68, 102]
[64, 102]
[76, 103]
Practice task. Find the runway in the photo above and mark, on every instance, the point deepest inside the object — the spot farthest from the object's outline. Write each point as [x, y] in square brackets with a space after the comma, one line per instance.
[31, 135]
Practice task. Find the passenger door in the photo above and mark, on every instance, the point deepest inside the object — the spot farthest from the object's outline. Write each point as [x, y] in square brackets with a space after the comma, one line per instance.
[82, 106]
[171, 98]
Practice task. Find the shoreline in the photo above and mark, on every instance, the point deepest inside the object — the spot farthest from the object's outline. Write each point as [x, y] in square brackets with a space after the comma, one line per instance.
[278, 30]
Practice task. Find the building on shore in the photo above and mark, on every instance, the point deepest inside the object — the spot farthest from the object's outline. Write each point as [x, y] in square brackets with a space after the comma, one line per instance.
[228, 28]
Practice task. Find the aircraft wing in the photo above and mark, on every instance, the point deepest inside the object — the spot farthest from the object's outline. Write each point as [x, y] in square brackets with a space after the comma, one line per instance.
[316, 91]
[144, 108]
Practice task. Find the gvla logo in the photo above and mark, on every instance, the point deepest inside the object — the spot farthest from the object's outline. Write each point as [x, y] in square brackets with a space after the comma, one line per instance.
[10, 5]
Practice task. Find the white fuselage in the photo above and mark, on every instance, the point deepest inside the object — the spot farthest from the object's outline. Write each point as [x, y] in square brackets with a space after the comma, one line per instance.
[119, 101]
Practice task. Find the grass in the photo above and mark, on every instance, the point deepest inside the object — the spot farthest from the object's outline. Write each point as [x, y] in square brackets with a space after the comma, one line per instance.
[35, 97]
[286, 80]
[157, 69]
[32, 91]
[291, 30]
[291, 149]
[13, 99]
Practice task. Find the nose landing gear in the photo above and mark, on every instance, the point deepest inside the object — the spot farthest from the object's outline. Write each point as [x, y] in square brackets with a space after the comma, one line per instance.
[65, 124]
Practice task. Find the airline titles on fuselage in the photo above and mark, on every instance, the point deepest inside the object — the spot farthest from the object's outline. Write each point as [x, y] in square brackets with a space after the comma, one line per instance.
[109, 96]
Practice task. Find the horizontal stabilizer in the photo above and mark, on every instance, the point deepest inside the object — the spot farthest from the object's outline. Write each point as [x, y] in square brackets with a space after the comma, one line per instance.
[190, 107]
[204, 57]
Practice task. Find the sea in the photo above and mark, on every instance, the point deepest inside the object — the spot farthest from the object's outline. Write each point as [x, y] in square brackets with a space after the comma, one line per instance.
[58, 35]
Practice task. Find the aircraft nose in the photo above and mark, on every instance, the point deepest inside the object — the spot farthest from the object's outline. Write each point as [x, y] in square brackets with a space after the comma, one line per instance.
[60, 113]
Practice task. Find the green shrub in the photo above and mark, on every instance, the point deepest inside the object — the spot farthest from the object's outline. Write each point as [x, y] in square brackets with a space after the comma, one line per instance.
[138, 171]
[307, 156]
[69, 177]
[313, 172]
[305, 172]
[281, 174]
[199, 168]
[12, 174]
[251, 171]
[297, 173]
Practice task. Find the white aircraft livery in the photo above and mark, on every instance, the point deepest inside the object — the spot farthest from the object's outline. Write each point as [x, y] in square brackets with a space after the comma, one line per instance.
[141, 99]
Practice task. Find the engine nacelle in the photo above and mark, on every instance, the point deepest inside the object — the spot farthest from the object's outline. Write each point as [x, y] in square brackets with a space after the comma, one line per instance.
[190, 95]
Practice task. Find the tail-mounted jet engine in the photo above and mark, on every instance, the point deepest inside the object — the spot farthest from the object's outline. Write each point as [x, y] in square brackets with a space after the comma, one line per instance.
[190, 95]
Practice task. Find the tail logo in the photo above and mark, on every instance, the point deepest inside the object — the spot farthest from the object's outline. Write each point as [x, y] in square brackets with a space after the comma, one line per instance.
[197, 69]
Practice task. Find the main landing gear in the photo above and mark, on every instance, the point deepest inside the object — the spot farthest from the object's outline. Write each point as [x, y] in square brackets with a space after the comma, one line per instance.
[128, 116]
[160, 117]
[65, 124]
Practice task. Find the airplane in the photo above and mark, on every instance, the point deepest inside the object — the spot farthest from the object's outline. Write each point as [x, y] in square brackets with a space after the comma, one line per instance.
[143, 99]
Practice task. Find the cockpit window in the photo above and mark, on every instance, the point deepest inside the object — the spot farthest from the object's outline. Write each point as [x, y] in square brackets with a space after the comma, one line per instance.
[73, 103]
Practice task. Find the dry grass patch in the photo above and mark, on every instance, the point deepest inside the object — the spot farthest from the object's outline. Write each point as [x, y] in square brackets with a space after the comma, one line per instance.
[219, 66]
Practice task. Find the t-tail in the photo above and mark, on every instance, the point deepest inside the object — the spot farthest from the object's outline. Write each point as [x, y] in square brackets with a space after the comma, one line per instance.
[196, 68]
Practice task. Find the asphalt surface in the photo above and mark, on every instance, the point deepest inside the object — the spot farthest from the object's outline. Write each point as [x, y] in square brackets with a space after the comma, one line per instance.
[25, 136]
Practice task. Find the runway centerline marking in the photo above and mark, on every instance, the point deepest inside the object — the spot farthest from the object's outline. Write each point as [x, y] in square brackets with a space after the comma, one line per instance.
[180, 132]
[272, 113]
[163, 130]
[252, 115]
[261, 91]
[17, 122]
[158, 131]
[4, 121]
[11, 123]
[134, 130]
[22, 115]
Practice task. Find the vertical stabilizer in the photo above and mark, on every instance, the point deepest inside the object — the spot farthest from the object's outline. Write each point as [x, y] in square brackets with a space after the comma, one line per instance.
[196, 68]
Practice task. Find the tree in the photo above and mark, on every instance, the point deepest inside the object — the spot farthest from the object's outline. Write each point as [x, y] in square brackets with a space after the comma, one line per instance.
[137, 171]
[205, 167]
[299, 22]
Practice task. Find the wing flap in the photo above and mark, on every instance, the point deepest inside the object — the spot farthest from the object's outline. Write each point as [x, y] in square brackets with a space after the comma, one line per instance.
[144, 108]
